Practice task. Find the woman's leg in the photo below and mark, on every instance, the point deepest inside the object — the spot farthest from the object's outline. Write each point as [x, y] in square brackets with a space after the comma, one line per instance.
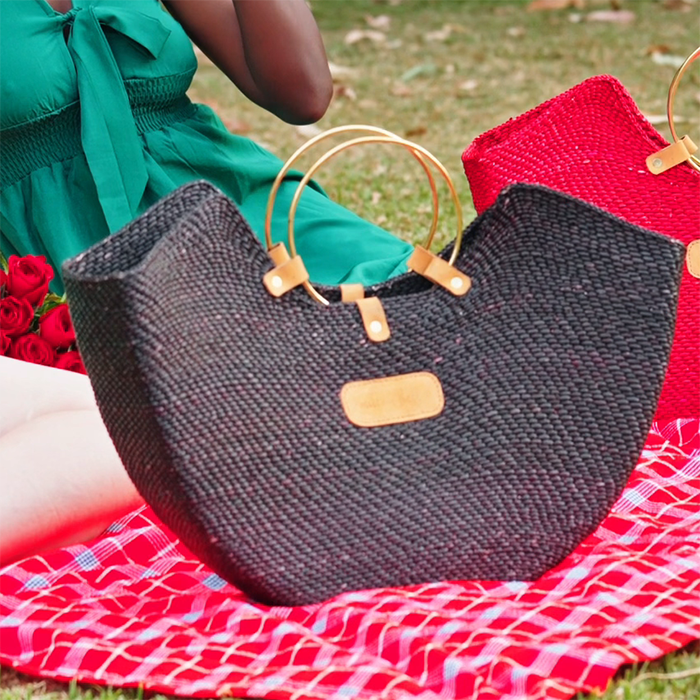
[62, 480]
[30, 390]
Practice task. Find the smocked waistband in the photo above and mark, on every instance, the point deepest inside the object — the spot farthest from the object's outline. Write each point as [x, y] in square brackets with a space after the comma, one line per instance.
[155, 104]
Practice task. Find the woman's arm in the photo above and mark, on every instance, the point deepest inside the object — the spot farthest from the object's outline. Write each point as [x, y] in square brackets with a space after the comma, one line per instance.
[271, 49]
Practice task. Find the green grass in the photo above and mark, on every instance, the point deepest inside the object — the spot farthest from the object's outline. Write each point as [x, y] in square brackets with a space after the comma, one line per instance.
[497, 61]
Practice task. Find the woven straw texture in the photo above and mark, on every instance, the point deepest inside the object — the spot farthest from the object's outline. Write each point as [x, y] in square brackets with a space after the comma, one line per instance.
[224, 402]
[592, 142]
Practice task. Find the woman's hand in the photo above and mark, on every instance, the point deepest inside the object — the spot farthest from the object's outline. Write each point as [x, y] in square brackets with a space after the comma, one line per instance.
[271, 49]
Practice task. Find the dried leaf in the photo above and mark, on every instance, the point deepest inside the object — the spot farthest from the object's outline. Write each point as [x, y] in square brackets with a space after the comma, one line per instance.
[516, 32]
[416, 131]
[439, 34]
[340, 71]
[379, 22]
[616, 16]
[657, 48]
[345, 91]
[697, 97]
[356, 35]
[679, 5]
[235, 125]
[657, 119]
[401, 90]
[376, 197]
[540, 5]
[667, 59]
[308, 131]
[468, 85]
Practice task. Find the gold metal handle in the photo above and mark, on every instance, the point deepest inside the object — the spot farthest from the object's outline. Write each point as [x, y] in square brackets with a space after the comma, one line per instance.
[328, 134]
[392, 139]
[693, 161]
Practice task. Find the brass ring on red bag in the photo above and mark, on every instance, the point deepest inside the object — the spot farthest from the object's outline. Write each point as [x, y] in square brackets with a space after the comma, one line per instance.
[311, 290]
[323, 136]
[693, 161]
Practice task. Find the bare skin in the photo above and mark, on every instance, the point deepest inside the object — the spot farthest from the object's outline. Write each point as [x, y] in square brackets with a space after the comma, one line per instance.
[270, 49]
[62, 479]
[63, 482]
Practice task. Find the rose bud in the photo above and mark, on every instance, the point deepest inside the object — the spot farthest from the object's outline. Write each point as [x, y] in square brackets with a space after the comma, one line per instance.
[56, 329]
[16, 315]
[32, 348]
[71, 361]
[28, 278]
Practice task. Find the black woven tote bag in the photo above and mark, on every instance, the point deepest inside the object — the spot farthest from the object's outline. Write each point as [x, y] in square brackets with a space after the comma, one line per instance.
[224, 401]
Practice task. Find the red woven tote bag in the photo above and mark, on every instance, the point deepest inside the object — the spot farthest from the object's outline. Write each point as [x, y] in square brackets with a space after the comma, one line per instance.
[593, 142]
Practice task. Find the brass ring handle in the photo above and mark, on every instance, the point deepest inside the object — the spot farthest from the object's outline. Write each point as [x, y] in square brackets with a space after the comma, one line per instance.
[694, 161]
[311, 290]
[325, 135]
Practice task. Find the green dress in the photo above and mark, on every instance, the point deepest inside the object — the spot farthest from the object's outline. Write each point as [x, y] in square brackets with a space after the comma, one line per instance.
[96, 126]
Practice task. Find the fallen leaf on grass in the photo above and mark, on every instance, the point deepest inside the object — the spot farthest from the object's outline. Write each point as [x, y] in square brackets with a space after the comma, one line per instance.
[344, 91]
[340, 71]
[515, 32]
[416, 131]
[401, 90]
[439, 34]
[235, 126]
[657, 119]
[379, 22]
[468, 85]
[679, 5]
[376, 196]
[667, 59]
[616, 16]
[308, 131]
[356, 35]
[697, 97]
[539, 5]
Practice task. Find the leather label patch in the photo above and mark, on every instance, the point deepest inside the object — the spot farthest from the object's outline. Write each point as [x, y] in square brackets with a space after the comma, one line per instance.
[692, 258]
[371, 403]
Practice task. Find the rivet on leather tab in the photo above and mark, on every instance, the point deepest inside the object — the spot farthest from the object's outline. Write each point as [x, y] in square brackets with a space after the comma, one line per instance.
[351, 292]
[439, 271]
[278, 254]
[671, 156]
[374, 318]
[372, 403]
[286, 276]
[692, 258]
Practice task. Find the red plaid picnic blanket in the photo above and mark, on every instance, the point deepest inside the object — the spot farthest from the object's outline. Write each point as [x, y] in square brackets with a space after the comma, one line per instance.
[136, 608]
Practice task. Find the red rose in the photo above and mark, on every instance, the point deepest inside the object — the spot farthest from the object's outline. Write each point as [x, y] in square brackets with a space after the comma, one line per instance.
[28, 278]
[56, 329]
[71, 361]
[32, 348]
[3, 279]
[4, 343]
[16, 316]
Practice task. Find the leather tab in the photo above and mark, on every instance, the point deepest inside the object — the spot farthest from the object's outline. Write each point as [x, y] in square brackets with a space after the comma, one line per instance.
[692, 258]
[351, 292]
[372, 403]
[439, 271]
[671, 156]
[286, 276]
[278, 254]
[374, 318]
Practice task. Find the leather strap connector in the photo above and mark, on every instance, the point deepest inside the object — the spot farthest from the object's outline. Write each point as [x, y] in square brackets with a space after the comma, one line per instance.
[671, 156]
[692, 258]
[374, 318]
[351, 292]
[286, 276]
[439, 271]
[278, 254]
